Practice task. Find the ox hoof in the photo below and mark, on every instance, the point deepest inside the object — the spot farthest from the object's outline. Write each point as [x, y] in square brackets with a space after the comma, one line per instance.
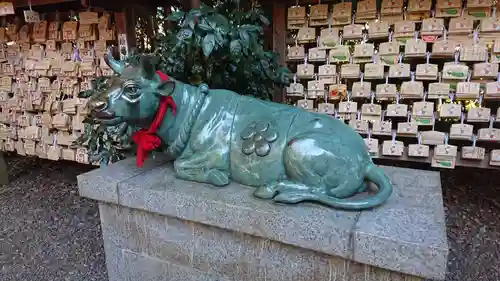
[218, 178]
[265, 192]
[293, 197]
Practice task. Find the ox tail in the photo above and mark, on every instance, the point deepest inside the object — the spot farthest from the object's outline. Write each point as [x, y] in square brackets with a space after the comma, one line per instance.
[373, 174]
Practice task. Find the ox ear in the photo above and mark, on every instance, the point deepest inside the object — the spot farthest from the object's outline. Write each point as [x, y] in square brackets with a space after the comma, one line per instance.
[165, 88]
[148, 69]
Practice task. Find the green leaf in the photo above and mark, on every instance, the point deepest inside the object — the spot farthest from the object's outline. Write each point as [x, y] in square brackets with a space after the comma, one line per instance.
[219, 38]
[204, 26]
[235, 47]
[236, 60]
[270, 55]
[264, 20]
[85, 94]
[195, 12]
[176, 16]
[264, 64]
[250, 28]
[205, 8]
[208, 44]
[184, 33]
[245, 38]
[190, 22]
[88, 120]
[219, 20]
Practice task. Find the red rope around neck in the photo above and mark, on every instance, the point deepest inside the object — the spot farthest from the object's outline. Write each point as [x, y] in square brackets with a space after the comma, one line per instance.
[146, 139]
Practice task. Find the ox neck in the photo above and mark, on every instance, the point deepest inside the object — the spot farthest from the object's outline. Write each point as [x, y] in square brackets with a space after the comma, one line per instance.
[174, 131]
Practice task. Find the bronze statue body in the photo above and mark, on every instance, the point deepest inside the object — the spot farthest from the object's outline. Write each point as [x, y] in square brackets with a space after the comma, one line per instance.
[288, 154]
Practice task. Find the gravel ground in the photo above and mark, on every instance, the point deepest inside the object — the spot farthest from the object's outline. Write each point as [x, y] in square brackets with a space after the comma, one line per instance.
[50, 233]
[472, 206]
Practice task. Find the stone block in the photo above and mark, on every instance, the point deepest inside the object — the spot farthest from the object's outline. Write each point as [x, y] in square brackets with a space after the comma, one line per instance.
[410, 240]
[216, 251]
[199, 232]
[409, 232]
[180, 273]
[415, 188]
[144, 268]
[121, 227]
[101, 184]
[170, 239]
[283, 262]
[233, 207]
[224, 255]
[113, 243]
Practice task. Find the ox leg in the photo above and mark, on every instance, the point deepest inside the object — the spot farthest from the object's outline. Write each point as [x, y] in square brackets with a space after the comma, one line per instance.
[284, 191]
[201, 167]
[315, 177]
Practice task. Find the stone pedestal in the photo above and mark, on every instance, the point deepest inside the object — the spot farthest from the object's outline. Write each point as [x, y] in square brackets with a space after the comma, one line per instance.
[157, 227]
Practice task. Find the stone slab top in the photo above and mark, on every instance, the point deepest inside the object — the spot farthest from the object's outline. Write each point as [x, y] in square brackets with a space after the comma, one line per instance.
[407, 234]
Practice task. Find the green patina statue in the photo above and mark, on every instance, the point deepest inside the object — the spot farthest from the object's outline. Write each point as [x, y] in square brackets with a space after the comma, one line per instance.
[288, 154]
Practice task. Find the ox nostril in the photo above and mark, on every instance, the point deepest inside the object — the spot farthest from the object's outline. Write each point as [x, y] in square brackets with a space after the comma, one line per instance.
[99, 106]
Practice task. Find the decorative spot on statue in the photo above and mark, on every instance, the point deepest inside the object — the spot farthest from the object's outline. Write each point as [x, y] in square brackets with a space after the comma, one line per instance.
[261, 126]
[257, 137]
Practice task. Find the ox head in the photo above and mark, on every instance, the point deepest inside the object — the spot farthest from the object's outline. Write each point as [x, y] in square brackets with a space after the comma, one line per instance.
[132, 96]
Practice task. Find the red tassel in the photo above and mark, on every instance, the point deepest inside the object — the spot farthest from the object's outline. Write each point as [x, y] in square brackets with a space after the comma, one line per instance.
[163, 76]
[145, 142]
[146, 139]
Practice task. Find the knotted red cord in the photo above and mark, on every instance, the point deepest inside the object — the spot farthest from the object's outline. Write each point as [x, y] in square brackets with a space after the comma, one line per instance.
[146, 139]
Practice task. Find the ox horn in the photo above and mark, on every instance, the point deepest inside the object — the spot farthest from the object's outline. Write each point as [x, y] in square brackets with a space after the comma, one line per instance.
[115, 65]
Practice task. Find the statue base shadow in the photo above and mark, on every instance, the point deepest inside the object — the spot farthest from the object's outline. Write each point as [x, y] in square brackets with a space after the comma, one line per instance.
[157, 227]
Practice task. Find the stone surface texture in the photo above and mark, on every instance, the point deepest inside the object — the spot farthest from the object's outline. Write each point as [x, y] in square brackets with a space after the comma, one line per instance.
[41, 205]
[144, 246]
[156, 226]
[47, 231]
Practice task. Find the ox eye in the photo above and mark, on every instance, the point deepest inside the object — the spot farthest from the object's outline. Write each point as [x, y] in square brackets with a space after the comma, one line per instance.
[131, 91]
